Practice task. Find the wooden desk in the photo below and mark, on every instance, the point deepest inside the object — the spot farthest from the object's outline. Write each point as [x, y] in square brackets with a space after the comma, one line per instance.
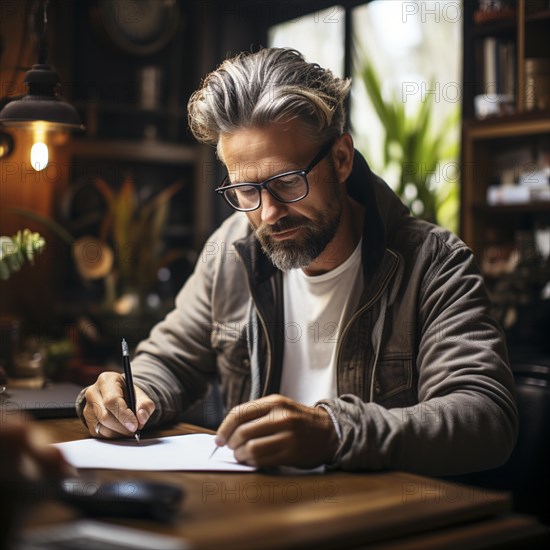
[334, 510]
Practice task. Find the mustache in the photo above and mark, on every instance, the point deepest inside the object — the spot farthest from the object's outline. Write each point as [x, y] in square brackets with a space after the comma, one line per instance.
[284, 224]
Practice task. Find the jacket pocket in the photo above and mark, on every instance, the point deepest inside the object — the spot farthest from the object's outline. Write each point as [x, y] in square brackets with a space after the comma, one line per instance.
[233, 362]
[393, 384]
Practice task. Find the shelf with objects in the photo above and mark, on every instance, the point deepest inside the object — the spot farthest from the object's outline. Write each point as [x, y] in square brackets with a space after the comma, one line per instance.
[130, 206]
[505, 214]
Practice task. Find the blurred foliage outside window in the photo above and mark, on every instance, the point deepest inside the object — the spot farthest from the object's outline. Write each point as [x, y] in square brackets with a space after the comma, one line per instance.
[406, 96]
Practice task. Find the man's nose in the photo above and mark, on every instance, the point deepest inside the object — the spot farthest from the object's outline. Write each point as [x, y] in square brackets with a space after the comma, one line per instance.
[272, 210]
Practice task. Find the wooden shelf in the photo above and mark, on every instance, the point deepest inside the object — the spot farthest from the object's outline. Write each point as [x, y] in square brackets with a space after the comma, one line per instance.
[523, 208]
[542, 15]
[111, 107]
[535, 122]
[487, 18]
[497, 27]
[142, 151]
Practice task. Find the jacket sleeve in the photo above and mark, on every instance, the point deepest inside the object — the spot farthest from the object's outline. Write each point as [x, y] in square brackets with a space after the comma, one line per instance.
[466, 417]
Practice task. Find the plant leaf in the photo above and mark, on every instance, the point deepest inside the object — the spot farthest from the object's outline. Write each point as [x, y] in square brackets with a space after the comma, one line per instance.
[47, 222]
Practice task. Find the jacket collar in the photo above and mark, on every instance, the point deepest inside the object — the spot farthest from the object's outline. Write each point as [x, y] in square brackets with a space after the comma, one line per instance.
[361, 187]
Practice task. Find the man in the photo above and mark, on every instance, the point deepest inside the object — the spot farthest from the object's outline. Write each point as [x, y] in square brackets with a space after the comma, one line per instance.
[343, 331]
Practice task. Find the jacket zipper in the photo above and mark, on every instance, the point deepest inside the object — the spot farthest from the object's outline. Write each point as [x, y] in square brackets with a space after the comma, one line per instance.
[269, 351]
[266, 335]
[357, 314]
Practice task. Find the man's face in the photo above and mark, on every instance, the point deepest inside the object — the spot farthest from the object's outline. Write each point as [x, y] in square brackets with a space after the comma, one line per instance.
[293, 235]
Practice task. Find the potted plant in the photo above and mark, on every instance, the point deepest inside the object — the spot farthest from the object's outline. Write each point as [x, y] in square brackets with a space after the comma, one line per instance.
[127, 251]
[22, 247]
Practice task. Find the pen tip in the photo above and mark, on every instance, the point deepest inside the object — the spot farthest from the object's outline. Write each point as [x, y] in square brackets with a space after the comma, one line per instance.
[124, 347]
[137, 436]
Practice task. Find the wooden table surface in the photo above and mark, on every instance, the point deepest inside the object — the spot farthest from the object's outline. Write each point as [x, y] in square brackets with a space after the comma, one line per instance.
[331, 510]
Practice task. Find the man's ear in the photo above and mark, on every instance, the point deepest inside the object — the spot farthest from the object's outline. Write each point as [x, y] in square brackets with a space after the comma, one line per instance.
[342, 157]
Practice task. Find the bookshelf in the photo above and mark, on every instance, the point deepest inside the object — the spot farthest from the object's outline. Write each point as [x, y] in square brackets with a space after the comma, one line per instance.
[505, 215]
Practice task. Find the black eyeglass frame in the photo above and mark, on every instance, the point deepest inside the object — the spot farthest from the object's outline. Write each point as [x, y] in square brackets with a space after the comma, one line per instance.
[223, 188]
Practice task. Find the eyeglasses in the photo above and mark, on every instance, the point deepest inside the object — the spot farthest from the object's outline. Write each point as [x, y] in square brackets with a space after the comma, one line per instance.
[287, 187]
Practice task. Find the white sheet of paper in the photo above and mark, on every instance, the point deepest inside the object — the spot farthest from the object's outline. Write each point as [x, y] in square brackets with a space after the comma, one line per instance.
[179, 452]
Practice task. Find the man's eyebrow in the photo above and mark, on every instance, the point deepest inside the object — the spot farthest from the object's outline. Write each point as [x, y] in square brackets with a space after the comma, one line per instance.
[286, 168]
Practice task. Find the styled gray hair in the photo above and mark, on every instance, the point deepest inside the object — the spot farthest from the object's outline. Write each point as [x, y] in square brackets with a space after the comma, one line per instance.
[271, 85]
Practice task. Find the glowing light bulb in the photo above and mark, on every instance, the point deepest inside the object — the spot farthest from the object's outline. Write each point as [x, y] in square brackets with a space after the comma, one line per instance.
[39, 156]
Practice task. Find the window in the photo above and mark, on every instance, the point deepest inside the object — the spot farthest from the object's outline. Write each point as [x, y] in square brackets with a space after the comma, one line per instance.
[414, 50]
[319, 36]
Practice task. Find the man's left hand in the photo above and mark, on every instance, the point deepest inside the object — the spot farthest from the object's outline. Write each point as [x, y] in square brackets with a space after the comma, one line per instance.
[276, 431]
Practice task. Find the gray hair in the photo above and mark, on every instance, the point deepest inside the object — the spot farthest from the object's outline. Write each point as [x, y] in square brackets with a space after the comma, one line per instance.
[271, 85]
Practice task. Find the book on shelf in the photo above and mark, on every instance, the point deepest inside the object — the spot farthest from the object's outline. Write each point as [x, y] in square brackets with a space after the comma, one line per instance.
[499, 77]
[499, 66]
[517, 194]
[537, 83]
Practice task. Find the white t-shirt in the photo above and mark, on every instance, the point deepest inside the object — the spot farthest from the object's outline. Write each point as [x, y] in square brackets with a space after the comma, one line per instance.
[316, 309]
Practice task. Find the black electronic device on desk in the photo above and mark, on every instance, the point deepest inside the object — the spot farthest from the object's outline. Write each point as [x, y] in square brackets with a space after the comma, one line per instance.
[52, 401]
[123, 499]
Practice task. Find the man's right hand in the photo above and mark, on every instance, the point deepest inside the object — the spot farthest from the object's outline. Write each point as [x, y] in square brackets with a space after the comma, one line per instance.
[106, 412]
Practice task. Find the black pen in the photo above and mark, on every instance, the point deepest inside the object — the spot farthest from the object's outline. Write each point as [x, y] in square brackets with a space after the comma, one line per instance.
[130, 393]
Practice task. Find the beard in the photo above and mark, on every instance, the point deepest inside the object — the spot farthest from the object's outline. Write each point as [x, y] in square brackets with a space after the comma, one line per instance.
[314, 234]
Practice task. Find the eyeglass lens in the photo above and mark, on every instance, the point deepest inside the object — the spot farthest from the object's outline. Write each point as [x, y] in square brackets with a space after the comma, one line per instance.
[286, 189]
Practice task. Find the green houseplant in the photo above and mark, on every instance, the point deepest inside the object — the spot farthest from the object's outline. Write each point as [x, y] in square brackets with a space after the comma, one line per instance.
[412, 145]
[16, 250]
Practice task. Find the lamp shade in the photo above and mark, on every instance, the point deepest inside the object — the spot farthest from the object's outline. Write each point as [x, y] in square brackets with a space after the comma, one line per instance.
[41, 105]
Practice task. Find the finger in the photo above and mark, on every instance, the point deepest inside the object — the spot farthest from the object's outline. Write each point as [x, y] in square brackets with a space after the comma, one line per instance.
[264, 451]
[246, 412]
[283, 416]
[103, 431]
[112, 388]
[254, 429]
[109, 427]
[144, 407]
[119, 414]
[96, 411]
[92, 410]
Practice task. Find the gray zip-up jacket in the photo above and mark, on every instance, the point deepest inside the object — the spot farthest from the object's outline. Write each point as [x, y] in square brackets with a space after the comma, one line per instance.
[422, 374]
